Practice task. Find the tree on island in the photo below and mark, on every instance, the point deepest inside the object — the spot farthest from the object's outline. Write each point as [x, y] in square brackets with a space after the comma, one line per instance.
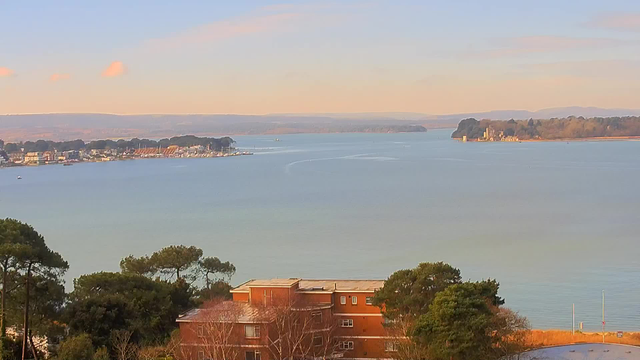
[548, 129]
[213, 144]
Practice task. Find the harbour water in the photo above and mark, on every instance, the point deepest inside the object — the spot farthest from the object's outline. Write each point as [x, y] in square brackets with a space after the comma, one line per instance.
[556, 223]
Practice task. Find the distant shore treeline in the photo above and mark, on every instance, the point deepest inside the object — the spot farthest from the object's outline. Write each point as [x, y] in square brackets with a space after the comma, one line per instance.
[552, 129]
[182, 141]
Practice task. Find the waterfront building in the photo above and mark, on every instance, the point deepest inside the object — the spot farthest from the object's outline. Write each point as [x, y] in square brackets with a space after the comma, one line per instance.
[49, 155]
[33, 158]
[16, 157]
[326, 318]
[4, 157]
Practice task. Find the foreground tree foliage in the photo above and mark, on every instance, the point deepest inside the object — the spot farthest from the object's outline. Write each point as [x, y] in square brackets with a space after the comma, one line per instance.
[175, 261]
[130, 315]
[104, 302]
[124, 315]
[436, 316]
[463, 322]
[29, 268]
[77, 347]
[144, 300]
[184, 263]
[410, 292]
[566, 128]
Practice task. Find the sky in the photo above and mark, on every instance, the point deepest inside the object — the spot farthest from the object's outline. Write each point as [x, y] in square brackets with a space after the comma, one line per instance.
[262, 57]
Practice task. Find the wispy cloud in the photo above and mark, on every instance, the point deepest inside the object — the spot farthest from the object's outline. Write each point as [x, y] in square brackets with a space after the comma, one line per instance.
[226, 29]
[624, 22]
[59, 77]
[5, 72]
[592, 69]
[115, 69]
[541, 44]
[267, 19]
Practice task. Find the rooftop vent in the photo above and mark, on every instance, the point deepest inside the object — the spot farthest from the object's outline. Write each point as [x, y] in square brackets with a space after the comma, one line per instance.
[317, 288]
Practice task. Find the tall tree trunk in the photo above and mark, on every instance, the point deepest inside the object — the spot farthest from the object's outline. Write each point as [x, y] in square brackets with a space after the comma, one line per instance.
[25, 333]
[33, 346]
[3, 323]
[5, 279]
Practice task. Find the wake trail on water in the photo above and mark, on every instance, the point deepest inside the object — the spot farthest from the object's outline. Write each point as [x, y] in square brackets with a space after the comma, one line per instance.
[287, 168]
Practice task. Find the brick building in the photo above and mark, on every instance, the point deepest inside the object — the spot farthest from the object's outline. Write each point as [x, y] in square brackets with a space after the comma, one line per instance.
[289, 319]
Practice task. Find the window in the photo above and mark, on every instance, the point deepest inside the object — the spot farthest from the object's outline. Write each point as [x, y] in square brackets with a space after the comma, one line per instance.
[343, 300]
[252, 331]
[347, 323]
[368, 300]
[354, 300]
[200, 355]
[200, 330]
[316, 317]
[317, 340]
[252, 355]
[390, 346]
[346, 345]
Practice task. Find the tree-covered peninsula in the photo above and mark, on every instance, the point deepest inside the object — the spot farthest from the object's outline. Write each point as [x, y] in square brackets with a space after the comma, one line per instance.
[215, 144]
[548, 129]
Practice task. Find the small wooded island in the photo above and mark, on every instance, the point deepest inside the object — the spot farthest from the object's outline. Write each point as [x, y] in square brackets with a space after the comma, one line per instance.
[548, 129]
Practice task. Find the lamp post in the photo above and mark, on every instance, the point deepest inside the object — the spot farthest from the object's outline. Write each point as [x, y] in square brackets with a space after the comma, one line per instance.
[603, 316]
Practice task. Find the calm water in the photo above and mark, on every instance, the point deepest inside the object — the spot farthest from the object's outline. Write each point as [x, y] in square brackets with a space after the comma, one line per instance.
[555, 223]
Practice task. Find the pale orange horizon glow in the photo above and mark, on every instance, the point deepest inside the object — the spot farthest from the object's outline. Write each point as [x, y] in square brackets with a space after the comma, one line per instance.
[330, 57]
[59, 77]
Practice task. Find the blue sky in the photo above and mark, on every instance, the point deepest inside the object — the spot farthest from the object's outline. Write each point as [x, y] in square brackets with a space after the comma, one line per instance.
[257, 57]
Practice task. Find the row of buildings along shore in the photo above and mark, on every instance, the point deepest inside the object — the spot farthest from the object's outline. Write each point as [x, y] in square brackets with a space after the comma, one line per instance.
[290, 318]
[490, 134]
[19, 158]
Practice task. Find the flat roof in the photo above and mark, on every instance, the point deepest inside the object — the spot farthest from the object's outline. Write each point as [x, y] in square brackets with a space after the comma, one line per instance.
[329, 285]
[227, 311]
[265, 283]
[340, 285]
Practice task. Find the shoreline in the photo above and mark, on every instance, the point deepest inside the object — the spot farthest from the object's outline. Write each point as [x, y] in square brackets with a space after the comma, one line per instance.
[587, 139]
[538, 339]
[603, 138]
[70, 163]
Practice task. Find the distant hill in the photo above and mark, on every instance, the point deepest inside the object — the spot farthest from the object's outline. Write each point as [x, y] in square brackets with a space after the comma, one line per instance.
[495, 114]
[103, 126]
[560, 112]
